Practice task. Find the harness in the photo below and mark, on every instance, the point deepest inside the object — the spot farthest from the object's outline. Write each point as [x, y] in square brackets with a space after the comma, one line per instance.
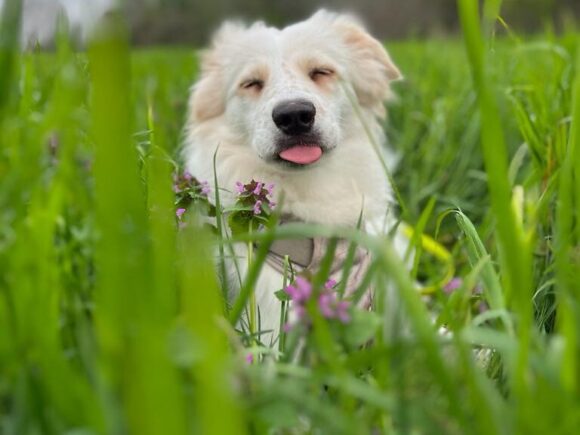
[307, 254]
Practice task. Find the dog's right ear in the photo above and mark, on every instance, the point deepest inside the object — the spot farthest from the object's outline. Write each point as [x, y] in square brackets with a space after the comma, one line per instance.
[370, 68]
[207, 99]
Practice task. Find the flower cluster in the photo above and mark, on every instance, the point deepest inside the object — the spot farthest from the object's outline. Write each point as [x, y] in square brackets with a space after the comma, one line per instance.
[186, 186]
[253, 206]
[328, 303]
[188, 190]
[257, 195]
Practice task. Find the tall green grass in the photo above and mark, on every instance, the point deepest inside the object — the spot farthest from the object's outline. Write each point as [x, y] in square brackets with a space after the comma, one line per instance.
[113, 321]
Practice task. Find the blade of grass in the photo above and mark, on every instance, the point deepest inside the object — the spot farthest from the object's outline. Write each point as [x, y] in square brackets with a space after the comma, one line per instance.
[10, 22]
[130, 309]
[218, 410]
[476, 251]
[515, 252]
[567, 244]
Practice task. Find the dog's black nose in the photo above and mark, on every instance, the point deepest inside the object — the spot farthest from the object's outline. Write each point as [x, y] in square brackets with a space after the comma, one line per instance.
[294, 117]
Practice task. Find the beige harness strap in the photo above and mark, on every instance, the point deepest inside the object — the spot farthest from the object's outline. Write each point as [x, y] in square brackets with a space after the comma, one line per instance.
[299, 251]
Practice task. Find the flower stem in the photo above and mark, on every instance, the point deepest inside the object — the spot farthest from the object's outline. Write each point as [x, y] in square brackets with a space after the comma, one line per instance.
[252, 320]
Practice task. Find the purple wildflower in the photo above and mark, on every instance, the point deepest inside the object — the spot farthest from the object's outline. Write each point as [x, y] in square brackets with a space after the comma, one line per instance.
[329, 285]
[240, 187]
[342, 311]
[326, 302]
[187, 176]
[301, 291]
[250, 358]
[179, 212]
[205, 189]
[258, 207]
[453, 285]
[329, 305]
[331, 308]
[258, 189]
[270, 188]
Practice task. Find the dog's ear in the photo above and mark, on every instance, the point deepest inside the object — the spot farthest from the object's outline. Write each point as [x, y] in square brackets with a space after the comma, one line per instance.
[371, 69]
[207, 98]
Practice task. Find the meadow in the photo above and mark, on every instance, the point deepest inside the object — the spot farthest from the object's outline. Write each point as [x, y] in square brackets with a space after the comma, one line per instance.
[112, 318]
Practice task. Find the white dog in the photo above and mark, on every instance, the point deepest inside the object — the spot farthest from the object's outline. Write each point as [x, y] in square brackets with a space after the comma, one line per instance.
[299, 107]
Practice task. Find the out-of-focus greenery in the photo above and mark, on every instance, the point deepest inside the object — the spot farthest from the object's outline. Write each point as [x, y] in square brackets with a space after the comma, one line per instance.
[111, 320]
[192, 21]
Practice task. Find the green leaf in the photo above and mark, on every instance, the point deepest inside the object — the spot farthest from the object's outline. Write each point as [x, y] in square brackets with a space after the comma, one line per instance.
[362, 327]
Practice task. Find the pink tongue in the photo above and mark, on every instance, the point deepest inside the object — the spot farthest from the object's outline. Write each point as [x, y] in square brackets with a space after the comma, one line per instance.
[303, 155]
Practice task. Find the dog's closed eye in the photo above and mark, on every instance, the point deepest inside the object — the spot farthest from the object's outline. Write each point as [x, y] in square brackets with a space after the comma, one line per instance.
[253, 84]
[320, 73]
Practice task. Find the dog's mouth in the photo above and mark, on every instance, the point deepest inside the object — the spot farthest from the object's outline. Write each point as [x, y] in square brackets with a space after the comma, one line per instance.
[300, 151]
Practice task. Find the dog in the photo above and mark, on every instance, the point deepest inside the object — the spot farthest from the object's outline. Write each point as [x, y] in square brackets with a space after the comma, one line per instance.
[301, 107]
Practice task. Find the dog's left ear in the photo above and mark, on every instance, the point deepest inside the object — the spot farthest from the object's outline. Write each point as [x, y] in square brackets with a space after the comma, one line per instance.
[372, 69]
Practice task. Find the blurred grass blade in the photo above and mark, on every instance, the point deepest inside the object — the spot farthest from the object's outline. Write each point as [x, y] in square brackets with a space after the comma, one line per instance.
[202, 312]
[476, 251]
[9, 46]
[567, 246]
[131, 319]
[515, 254]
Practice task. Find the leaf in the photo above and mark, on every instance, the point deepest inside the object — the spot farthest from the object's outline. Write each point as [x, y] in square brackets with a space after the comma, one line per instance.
[282, 296]
[362, 328]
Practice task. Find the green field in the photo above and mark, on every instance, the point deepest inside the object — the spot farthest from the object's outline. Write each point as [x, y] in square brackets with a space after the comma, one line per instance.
[112, 320]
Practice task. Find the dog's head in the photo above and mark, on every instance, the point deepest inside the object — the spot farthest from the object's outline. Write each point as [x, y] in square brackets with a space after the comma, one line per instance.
[291, 94]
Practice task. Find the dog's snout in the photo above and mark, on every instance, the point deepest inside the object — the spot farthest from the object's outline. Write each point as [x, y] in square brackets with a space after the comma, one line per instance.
[294, 117]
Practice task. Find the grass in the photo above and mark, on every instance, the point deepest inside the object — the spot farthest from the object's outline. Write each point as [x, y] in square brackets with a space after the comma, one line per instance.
[112, 321]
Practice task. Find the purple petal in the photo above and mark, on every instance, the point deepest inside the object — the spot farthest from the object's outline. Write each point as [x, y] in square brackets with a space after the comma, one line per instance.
[258, 188]
[453, 285]
[179, 212]
[270, 188]
[291, 291]
[258, 207]
[187, 176]
[325, 302]
[329, 285]
[240, 187]
[342, 311]
[304, 288]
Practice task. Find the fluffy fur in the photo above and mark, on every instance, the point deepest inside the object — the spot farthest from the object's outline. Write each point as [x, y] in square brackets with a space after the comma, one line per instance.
[226, 110]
